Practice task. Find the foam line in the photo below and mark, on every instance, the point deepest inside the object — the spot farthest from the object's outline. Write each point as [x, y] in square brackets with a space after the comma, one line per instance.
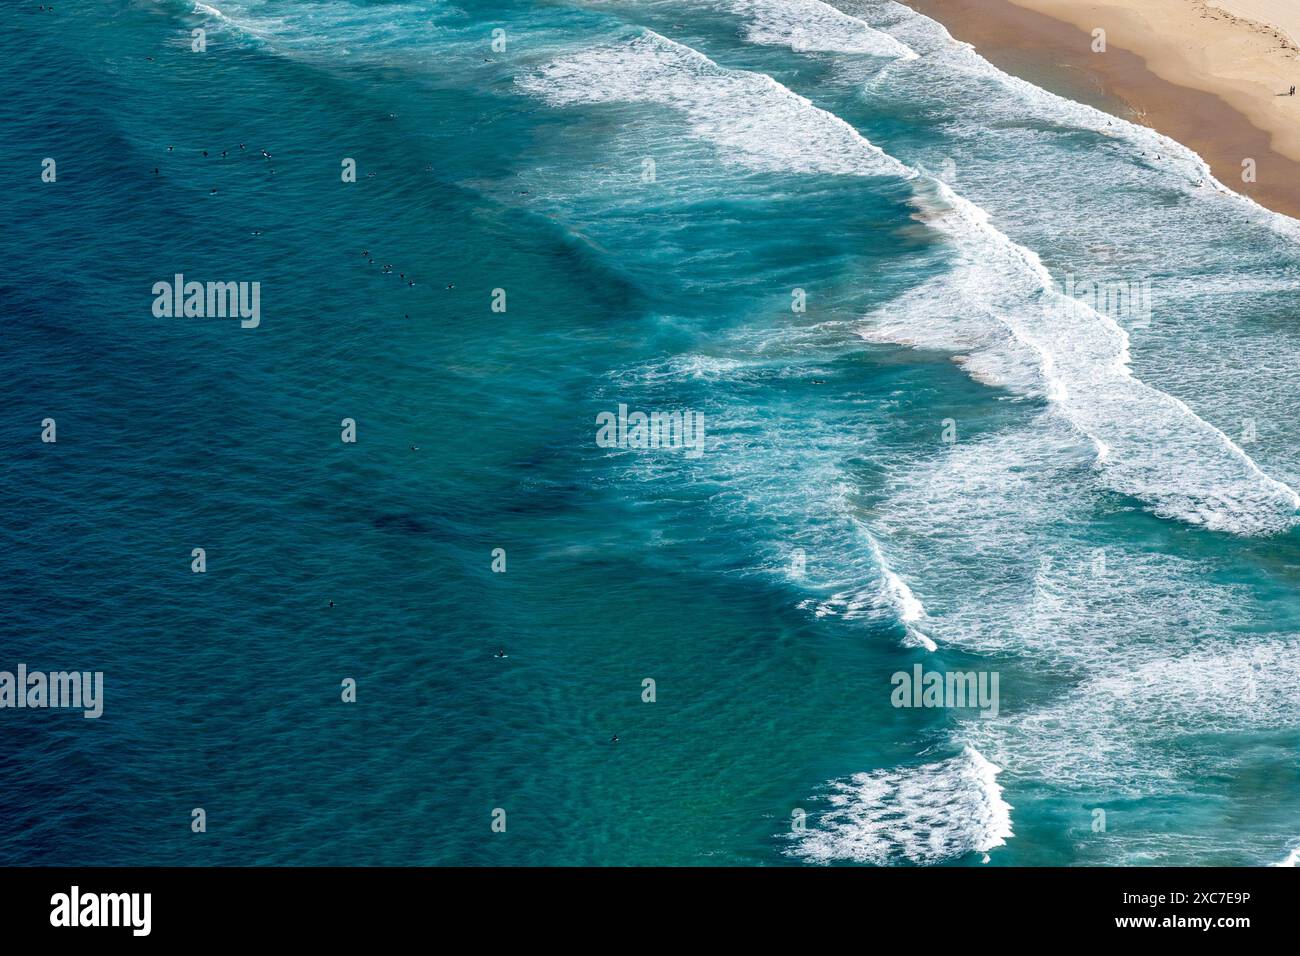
[998, 295]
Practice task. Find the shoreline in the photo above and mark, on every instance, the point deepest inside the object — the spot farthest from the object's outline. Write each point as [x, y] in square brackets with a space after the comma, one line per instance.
[1164, 78]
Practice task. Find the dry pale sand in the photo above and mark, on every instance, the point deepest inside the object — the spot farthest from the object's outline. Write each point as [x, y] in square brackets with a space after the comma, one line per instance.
[1212, 74]
[1282, 14]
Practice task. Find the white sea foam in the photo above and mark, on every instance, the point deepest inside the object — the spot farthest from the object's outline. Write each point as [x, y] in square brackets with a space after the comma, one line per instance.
[923, 815]
[1001, 308]
[845, 564]
[333, 28]
[1291, 859]
[814, 27]
[755, 121]
[896, 595]
[1008, 516]
[244, 24]
[887, 598]
[1152, 648]
[955, 65]
[1170, 636]
[809, 26]
[1149, 649]
[1119, 728]
[998, 304]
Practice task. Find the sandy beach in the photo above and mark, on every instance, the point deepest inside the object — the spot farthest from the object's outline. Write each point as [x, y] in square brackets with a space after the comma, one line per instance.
[1214, 76]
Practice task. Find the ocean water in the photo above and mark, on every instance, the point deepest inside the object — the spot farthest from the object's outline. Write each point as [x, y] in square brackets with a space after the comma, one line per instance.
[844, 239]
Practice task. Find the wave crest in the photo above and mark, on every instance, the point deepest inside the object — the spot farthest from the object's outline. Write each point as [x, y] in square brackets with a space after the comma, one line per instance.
[923, 815]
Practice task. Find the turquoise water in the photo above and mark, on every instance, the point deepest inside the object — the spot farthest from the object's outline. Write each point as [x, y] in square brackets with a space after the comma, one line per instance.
[977, 474]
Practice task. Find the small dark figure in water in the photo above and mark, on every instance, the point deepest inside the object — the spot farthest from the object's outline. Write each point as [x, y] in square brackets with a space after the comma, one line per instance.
[501, 654]
[614, 739]
[331, 603]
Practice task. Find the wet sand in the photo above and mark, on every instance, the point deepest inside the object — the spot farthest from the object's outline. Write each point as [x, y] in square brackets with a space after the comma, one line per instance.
[1058, 56]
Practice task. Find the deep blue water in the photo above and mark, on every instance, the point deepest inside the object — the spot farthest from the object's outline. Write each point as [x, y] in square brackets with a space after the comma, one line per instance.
[1096, 508]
